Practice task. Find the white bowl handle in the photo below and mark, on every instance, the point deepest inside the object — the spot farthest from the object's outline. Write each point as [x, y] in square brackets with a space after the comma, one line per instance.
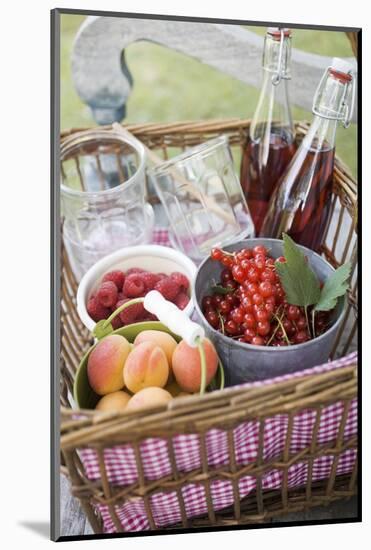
[174, 318]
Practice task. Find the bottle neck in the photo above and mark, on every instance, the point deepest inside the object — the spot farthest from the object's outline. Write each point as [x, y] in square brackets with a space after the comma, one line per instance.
[273, 111]
[321, 134]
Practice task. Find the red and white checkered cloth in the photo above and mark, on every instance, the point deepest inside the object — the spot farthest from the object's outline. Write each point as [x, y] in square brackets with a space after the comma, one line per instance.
[122, 469]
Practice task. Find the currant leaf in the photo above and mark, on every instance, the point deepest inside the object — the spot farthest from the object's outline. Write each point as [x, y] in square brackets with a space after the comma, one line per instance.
[335, 286]
[300, 283]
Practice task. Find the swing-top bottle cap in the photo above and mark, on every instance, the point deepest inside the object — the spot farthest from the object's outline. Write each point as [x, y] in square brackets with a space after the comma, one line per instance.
[335, 95]
[275, 32]
[342, 66]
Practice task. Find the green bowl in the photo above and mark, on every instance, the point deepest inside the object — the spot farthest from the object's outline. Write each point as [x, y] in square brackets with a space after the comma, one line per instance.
[84, 396]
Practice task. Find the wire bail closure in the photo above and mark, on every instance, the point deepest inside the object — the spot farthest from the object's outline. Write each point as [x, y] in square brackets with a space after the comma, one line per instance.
[346, 111]
[277, 77]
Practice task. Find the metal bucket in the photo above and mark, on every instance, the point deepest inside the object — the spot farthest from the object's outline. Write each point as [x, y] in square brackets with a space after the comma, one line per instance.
[247, 363]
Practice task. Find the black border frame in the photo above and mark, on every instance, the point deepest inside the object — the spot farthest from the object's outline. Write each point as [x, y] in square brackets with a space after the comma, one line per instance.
[55, 272]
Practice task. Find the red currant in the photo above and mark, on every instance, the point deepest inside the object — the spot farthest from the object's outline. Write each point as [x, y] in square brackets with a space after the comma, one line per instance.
[227, 261]
[231, 327]
[249, 320]
[226, 276]
[251, 288]
[246, 265]
[216, 254]
[261, 315]
[257, 299]
[225, 306]
[212, 318]
[247, 304]
[259, 262]
[237, 315]
[281, 259]
[266, 289]
[293, 313]
[253, 275]
[259, 249]
[238, 273]
[258, 341]
[263, 328]
[207, 302]
[289, 327]
[301, 337]
[271, 300]
[233, 285]
[268, 275]
[301, 323]
[249, 334]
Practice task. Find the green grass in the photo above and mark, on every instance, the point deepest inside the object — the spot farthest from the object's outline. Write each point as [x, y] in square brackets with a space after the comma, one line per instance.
[169, 86]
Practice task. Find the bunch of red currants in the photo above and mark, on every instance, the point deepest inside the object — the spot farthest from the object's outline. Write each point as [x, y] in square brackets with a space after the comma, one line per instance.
[249, 303]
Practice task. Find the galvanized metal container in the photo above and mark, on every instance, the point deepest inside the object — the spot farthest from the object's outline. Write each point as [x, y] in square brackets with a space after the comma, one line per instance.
[245, 362]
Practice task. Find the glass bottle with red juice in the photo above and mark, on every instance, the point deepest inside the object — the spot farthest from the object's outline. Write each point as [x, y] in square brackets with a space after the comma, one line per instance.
[270, 143]
[300, 204]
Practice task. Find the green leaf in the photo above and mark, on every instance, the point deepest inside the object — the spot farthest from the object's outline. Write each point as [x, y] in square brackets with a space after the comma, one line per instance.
[335, 286]
[219, 289]
[300, 283]
[102, 329]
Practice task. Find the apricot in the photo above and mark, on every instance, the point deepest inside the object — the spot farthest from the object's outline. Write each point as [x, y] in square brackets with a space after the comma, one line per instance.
[173, 388]
[186, 364]
[148, 398]
[146, 366]
[162, 339]
[113, 402]
[106, 363]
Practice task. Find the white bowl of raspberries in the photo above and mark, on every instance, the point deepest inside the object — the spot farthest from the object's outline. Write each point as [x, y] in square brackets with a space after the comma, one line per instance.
[130, 273]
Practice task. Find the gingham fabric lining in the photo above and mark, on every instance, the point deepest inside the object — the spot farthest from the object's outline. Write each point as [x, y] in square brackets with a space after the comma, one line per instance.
[122, 470]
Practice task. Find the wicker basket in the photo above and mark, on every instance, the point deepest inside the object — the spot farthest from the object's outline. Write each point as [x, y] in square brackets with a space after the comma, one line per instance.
[103, 498]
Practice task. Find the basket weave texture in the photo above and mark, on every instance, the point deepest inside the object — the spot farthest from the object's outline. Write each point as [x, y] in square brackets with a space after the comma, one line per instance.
[242, 455]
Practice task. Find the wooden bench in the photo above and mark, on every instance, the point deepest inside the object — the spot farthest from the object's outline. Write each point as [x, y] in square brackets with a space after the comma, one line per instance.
[103, 80]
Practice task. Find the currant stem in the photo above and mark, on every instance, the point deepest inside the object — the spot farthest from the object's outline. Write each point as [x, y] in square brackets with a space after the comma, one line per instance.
[306, 316]
[221, 322]
[283, 329]
[275, 330]
[313, 323]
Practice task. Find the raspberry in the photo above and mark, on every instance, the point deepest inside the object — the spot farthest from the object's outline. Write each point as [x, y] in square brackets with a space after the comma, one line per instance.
[135, 270]
[150, 279]
[168, 288]
[116, 276]
[181, 300]
[96, 311]
[150, 317]
[120, 296]
[107, 294]
[134, 285]
[180, 279]
[131, 313]
[116, 322]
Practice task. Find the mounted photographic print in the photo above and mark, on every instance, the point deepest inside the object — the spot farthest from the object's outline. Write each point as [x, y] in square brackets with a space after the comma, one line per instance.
[205, 221]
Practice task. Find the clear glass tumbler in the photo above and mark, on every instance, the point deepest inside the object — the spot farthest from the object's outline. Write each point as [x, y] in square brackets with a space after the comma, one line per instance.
[102, 196]
[203, 199]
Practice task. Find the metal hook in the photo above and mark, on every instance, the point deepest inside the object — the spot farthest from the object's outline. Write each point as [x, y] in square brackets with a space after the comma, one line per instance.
[348, 112]
[276, 78]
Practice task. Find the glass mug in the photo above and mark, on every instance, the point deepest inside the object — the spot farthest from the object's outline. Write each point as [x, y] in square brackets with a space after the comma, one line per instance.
[102, 196]
[202, 197]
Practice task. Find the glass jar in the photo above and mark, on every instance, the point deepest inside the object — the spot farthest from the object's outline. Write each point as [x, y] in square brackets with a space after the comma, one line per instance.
[102, 196]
